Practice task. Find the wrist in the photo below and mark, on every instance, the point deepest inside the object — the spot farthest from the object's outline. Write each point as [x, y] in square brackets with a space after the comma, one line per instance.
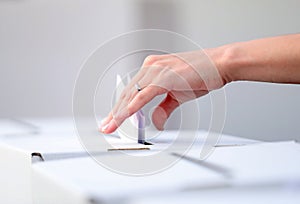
[229, 61]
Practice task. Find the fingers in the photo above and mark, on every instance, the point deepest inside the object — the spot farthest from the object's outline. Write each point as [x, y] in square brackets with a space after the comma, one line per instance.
[126, 96]
[163, 111]
[110, 127]
[141, 98]
[145, 96]
[105, 121]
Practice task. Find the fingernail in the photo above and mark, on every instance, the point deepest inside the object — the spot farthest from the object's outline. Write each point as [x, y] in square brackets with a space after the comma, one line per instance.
[104, 127]
[103, 121]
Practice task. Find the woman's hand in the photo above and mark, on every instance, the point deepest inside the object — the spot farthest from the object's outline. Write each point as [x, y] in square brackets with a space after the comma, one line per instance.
[182, 77]
[186, 76]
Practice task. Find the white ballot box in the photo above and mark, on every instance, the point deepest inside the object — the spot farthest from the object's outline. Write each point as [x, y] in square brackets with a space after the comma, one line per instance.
[84, 181]
[17, 154]
[28, 141]
[261, 173]
[250, 174]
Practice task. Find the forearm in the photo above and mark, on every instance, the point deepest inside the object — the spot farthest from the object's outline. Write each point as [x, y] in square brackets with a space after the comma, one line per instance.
[275, 59]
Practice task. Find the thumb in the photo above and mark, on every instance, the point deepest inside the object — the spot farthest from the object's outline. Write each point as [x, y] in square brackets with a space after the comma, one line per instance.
[163, 111]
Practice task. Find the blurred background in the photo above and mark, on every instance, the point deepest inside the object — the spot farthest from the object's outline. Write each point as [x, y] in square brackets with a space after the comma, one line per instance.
[44, 43]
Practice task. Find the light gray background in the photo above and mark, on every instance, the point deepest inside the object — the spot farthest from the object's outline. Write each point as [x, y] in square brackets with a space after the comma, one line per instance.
[44, 43]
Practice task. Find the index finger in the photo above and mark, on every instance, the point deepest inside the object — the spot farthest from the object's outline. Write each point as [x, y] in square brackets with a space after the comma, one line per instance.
[142, 98]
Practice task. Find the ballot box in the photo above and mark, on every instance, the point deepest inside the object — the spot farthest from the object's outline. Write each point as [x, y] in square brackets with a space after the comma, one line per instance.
[260, 173]
[26, 142]
[84, 181]
[255, 173]
[17, 154]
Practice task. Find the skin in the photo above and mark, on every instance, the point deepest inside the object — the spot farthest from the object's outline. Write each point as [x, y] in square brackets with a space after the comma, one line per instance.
[187, 76]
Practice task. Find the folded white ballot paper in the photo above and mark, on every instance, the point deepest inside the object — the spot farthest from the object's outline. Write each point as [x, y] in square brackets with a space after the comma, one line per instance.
[129, 130]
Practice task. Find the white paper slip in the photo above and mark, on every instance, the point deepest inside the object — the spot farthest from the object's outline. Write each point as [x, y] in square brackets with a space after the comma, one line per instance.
[84, 181]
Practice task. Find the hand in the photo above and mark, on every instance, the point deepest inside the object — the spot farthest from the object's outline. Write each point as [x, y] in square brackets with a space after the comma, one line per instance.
[182, 77]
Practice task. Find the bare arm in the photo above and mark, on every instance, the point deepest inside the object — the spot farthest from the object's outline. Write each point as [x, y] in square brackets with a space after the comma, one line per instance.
[186, 76]
[275, 59]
